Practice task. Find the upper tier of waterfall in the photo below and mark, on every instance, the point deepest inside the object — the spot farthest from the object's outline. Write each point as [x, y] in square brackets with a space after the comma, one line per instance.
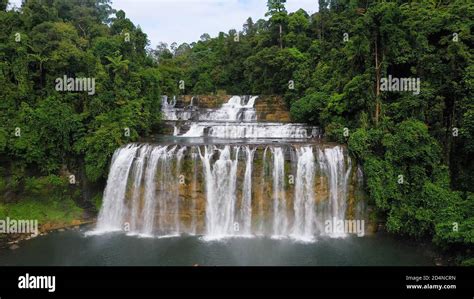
[235, 119]
[237, 108]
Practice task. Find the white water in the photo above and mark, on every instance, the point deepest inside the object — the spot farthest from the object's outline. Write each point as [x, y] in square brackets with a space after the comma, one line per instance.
[194, 157]
[168, 110]
[221, 192]
[112, 213]
[304, 203]
[234, 110]
[261, 225]
[137, 181]
[234, 120]
[246, 205]
[148, 212]
[251, 102]
[248, 130]
[195, 131]
[113, 208]
[143, 191]
[280, 219]
[333, 163]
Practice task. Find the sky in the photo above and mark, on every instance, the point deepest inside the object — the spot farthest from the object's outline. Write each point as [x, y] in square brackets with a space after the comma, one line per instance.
[186, 20]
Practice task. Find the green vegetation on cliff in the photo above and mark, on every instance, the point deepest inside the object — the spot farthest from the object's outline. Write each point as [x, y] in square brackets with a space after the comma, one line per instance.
[48, 135]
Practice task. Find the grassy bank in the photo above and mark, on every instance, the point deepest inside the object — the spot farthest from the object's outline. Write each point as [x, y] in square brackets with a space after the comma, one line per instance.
[45, 211]
[51, 200]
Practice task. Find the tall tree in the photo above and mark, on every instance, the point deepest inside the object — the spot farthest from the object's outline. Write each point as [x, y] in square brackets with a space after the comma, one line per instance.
[277, 13]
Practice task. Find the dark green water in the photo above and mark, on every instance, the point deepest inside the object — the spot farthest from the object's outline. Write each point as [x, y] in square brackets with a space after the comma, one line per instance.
[73, 248]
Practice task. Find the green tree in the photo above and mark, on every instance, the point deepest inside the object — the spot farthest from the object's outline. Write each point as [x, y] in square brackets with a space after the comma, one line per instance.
[277, 13]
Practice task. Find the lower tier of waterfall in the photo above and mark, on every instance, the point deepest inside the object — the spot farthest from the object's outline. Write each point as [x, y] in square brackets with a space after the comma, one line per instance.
[280, 191]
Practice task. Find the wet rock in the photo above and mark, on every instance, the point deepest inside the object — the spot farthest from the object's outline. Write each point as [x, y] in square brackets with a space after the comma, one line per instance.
[61, 229]
[14, 246]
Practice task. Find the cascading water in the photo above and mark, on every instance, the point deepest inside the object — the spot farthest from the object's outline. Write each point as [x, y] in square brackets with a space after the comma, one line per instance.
[148, 212]
[234, 110]
[236, 119]
[264, 170]
[246, 206]
[280, 221]
[137, 180]
[112, 212]
[211, 190]
[248, 130]
[278, 189]
[220, 192]
[304, 203]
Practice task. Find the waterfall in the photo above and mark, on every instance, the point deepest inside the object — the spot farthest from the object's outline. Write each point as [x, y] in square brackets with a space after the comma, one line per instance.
[113, 207]
[169, 190]
[232, 111]
[256, 130]
[194, 157]
[337, 170]
[280, 220]
[168, 109]
[235, 119]
[196, 130]
[148, 212]
[246, 207]
[137, 180]
[221, 192]
[261, 227]
[175, 199]
[248, 130]
[251, 102]
[304, 202]
[230, 176]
